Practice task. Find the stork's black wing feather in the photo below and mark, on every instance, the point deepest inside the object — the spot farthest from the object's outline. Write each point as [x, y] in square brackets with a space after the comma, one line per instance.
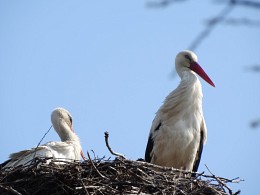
[199, 152]
[149, 149]
[150, 144]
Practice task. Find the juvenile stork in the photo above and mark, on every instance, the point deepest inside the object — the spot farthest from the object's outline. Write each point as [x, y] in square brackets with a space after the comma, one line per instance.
[69, 149]
[178, 130]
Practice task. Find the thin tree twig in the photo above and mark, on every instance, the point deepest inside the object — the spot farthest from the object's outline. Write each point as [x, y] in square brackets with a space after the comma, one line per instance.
[210, 26]
[254, 124]
[253, 68]
[95, 166]
[220, 18]
[242, 21]
[220, 181]
[162, 3]
[41, 141]
[10, 190]
[110, 149]
[84, 187]
[251, 4]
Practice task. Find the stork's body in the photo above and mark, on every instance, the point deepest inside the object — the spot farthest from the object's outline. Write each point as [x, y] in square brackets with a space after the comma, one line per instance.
[178, 131]
[68, 149]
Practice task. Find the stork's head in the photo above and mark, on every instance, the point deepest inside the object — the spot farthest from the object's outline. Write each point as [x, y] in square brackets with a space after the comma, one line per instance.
[61, 120]
[187, 60]
[62, 123]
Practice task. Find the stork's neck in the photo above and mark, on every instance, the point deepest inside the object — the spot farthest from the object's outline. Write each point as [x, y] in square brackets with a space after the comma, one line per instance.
[191, 86]
[65, 132]
[187, 96]
[188, 77]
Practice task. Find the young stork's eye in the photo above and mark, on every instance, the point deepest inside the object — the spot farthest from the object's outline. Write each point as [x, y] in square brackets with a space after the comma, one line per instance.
[70, 119]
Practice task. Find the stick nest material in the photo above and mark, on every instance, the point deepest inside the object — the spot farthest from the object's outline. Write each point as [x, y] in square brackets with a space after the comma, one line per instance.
[100, 176]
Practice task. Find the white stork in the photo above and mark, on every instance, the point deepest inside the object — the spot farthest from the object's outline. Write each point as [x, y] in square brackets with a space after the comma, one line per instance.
[178, 130]
[69, 149]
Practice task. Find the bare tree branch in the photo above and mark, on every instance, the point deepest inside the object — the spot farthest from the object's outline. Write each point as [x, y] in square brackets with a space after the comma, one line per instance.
[254, 124]
[253, 68]
[251, 4]
[242, 21]
[220, 18]
[162, 3]
[210, 26]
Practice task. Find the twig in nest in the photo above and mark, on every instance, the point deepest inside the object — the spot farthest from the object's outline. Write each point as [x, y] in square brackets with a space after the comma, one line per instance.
[95, 167]
[109, 148]
[221, 182]
[84, 187]
[41, 141]
[10, 190]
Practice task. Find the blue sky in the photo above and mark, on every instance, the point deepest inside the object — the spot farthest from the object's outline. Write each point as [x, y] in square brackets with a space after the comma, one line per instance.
[110, 64]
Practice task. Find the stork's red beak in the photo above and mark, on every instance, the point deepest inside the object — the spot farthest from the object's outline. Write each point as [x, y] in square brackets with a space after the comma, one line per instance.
[196, 68]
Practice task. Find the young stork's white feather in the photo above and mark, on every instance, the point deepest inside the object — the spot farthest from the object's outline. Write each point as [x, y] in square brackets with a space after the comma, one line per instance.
[179, 131]
[69, 149]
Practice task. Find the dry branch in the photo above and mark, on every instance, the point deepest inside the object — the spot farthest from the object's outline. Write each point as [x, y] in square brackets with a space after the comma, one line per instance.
[110, 149]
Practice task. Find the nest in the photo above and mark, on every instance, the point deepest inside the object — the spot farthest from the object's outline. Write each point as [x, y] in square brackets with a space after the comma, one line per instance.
[105, 176]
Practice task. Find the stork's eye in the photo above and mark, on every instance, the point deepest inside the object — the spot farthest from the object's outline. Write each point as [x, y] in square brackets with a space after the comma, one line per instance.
[188, 57]
[70, 119]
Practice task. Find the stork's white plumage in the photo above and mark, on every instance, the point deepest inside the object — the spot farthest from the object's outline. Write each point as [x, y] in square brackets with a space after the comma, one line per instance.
[179, 131]
[68, 149]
